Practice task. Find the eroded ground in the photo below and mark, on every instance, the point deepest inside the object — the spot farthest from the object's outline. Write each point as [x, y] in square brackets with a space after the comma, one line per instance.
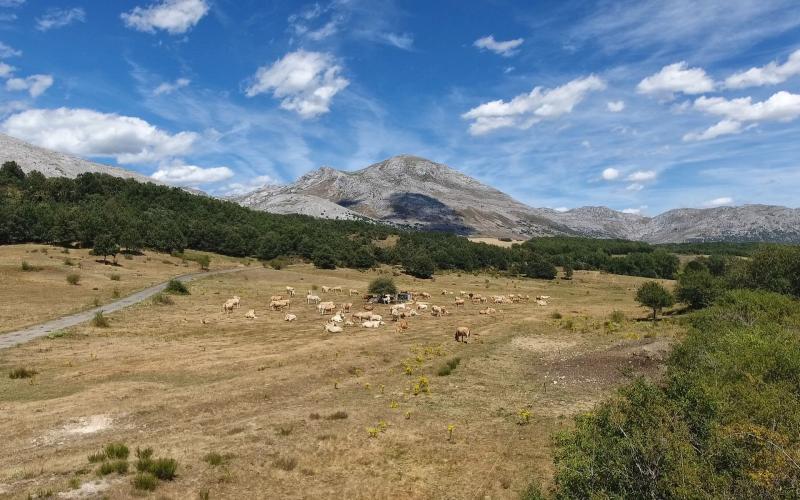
[187, 380]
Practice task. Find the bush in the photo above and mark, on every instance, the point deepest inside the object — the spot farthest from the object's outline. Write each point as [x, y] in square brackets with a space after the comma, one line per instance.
[94, 458]
[420, 265]
[118, 466]
[653, 295]
[568, 272]
[28, 267]
[73, 278]
[556, 315]
[539, 268]
[176, 287]
[115, 277]
[339, 415]
[162, 299]
[324, 259]
[68, 262]
[144, 459]
[145, 481]
[100, 321]
[164, 468]
[698, 289]
[116, 450]
[204, 261]
[22, 372]
[213, 458]
[382, 286]
[448, 367]
[285, 463]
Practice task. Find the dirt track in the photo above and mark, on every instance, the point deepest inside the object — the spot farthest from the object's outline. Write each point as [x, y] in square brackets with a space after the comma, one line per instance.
[10, 339]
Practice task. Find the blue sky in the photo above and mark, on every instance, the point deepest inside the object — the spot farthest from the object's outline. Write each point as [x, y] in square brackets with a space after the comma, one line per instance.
[641, 106]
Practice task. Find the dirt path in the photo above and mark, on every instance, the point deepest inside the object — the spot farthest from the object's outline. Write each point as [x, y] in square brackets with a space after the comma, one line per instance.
[10, 339]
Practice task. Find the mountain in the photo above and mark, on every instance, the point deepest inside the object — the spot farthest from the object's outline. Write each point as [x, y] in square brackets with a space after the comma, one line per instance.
[53, 164]
[423, 194]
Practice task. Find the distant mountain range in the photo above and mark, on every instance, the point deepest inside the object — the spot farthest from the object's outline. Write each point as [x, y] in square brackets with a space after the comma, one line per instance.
[423, 194]
[415, 192]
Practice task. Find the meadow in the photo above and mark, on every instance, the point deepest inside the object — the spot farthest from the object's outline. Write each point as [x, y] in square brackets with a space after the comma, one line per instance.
[262, 407]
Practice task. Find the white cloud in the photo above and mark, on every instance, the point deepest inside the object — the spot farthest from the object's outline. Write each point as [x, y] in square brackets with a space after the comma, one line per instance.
[7, 51]
[725, 127]
[770, 74]
[191, 175]
[58, 18]
[642, 176]
[633, 211]
[6, 70]
[35, 85]
[11, 3]
[306, 82]
[610, 174]
[718, 202]
[561, 209]
[615, 106]
[781, 106]
[675, 78]
[86, 132]
[505, 49]
[400, 40]
[173, 16]
[170, 87]
[242, 188]
[525, 110]
[635, 187]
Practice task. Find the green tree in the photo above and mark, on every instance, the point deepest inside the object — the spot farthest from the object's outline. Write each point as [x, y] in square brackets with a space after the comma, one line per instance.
[568, 272]
[420, 265]
[537, 267]
[698, 288]
[654, 295]
[323, 258]
[382, 286]
[204, 260]
[105, 245]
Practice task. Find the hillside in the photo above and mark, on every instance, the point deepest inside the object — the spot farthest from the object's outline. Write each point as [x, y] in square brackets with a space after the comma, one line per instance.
[426, 195]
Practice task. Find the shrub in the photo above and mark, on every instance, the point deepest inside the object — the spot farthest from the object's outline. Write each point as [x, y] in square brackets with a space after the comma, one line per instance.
[339, 415]
[653, 295]
[213, 458]
[68, 262]
[22, 372]
[28, 267]
[164, 468]
[284, 431]
[115, 293]
[115, 277]
[73, 278]
[97, 457]
[617, 316]
[144, 459]
[100, 321]
[145, 481]
[118, 466]
[448, 367]
[420, 265]
[204, 261]
[285, 463]
[568, 272]
[555, 315]
[162, 299]
[698, 288]
[323, 259]
[176, 287]
[382, 286]
[116, 450]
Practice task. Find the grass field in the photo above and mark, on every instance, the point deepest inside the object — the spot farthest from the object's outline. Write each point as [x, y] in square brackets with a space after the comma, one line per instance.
[495, 241]
[253, 408]
[41, 291]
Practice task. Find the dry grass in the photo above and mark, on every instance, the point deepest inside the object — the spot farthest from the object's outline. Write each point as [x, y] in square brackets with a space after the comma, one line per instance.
[46, 294]
[181, 378]
[495, 241]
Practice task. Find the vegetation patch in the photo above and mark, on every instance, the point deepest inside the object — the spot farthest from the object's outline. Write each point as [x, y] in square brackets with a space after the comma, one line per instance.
[73, 278]
[448, 367]
[99, 320]
[21, 372]
[176, 287]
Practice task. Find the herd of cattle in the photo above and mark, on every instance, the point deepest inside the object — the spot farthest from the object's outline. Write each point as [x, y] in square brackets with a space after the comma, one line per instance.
[399, 313]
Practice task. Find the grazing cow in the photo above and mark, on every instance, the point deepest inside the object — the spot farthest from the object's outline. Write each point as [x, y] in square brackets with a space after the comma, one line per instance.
[347, 306]
[326, 307]
[336, 289]
[488, 311]
[401, 326]
[333, 328]
[229, 306]
[236, 301]
[542, 297]
[462, 293]
[290, 291]
[541, 302]
[276, 297]
[352, 292]
[376, 317]
[437, 311]
[462, 334]
[326, 289]
[422, 306]
[425, 295]
[372, 324]
[290, 317]
[312, 299]
[251, 314]
[362, 315]
[459, 303]
[277, 305]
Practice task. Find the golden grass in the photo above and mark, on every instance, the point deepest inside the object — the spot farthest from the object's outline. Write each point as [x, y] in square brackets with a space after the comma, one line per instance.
[31, 297]
[189, 380]
[495, 241]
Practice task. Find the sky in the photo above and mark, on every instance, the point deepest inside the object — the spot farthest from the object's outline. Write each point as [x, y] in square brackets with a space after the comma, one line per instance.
[642, 106]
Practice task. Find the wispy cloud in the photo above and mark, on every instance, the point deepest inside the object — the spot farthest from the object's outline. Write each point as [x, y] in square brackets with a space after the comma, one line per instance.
[170, 87]
[58, 18]
[173, 16]
[504, 48]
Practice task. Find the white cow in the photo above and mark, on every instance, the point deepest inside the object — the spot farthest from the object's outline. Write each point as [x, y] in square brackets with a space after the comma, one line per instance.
[290, 317]
[333, 328]
[372, 324]
[251, 314]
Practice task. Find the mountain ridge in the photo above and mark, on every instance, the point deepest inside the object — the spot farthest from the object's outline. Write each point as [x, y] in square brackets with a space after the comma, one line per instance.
[417, 192]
